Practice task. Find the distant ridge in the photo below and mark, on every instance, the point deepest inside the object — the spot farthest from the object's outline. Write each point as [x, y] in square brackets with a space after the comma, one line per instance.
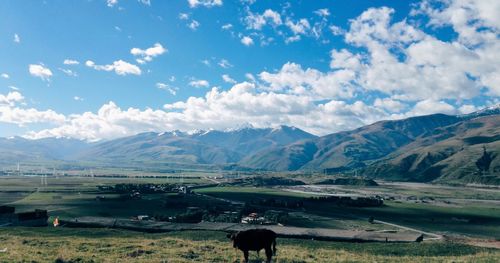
[435, 147]
[438, 147]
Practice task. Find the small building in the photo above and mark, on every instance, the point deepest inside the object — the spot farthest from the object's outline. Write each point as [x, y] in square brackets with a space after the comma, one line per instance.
[8, 217]
[143, 217]
[254, 218]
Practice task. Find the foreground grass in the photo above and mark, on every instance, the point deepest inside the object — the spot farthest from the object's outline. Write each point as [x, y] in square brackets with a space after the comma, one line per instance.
[108, 245]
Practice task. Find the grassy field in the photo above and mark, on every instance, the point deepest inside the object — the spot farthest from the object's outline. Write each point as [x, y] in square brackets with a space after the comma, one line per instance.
[107, 245]
[70, 197]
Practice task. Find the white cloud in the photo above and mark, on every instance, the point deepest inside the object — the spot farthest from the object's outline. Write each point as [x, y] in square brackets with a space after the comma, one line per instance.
[193, 25]
[145, 2]
[257, 21]
[112, 3]
[120, 67]
[183, 16]
[10, 112]
[475, 21]
[322, 12]
[337, 31]
[291, 78]
[293, 39]
[217, 110]
[71, 62]
[11, 98]
[226, 26]
[228, 79]
[77, 98]
[206, 62]
[467, 108]
[199, 83]
[39, 70]
[430, 106]
[299, 27]
[389, 104]
[204, 3]
[247, 41]
[4, 75]
[147, 55]
[224, 63]
[407, 64]
[163, 86]
[110, 122]
[17, 39]
[69, 72]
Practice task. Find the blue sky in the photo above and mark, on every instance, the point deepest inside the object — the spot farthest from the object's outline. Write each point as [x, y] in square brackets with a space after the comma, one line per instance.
[102, 69]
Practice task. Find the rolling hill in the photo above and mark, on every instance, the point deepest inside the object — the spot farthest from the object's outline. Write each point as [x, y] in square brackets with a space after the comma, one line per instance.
[201, 147]
[436, 147]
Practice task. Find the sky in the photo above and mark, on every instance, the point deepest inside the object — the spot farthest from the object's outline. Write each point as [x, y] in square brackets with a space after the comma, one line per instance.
[102, 69]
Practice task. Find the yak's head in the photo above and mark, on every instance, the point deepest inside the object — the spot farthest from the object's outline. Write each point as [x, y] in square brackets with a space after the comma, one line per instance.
[232, 236]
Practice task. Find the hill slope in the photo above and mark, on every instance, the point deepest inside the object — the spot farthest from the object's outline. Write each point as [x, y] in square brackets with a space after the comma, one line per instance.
[425, 148]
[202, 147]
[468, 151]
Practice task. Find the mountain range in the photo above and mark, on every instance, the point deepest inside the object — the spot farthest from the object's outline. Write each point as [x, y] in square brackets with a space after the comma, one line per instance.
[438, 147]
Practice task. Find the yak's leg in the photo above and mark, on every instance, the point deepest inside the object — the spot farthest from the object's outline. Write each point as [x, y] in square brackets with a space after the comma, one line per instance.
[245, 254]
[269, 254]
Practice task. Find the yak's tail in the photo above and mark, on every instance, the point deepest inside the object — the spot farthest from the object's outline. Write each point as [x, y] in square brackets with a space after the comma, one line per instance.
[274, 246]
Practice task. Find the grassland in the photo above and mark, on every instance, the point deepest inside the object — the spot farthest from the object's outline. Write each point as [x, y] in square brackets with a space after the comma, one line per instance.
[106, 245]
[70, 197]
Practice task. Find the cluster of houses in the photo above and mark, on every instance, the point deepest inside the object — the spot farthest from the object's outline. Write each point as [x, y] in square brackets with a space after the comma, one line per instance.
[9, 217]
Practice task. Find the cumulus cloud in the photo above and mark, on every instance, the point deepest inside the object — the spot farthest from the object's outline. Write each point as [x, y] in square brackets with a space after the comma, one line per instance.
[112, 3]
[147, 55]
[204, 3]
[291, 78]
[228, 79]
[243, 103]
[167, 87]
[322, 12]
[299, 27]
[193, 25]
[257, 21]
[199, 83]
[224, 63]
[4, 75]
[39, 70]
[120, 67]
[407, 64]
[10, 112]
[78, 98]
[389, 104]
[247, 41]
[11, 98]
[71, 62]
[430, 106]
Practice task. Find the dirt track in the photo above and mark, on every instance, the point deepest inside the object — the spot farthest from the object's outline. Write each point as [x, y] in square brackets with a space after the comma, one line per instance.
[282, 231]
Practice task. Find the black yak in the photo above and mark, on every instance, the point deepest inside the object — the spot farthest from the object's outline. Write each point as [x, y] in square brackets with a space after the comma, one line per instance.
[255, 240]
